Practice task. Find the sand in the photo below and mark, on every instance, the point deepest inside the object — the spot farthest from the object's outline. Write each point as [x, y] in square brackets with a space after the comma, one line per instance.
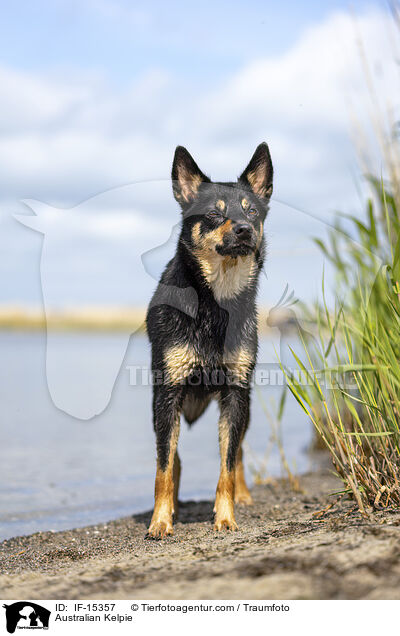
[281, 551]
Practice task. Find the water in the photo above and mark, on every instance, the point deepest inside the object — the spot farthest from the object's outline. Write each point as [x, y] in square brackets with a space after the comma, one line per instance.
[57, 472]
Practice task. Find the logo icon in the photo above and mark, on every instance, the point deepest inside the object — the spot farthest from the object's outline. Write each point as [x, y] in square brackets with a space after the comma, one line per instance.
[26, 615]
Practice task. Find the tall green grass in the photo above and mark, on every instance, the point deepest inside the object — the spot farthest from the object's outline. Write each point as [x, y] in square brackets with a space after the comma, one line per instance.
[350, 383]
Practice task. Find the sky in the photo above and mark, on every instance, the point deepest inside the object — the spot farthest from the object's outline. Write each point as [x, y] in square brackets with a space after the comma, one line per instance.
[96, 95]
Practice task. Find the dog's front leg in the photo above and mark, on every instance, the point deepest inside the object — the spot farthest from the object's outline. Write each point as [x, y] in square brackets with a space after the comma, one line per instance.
[167, 409]
[234, 412]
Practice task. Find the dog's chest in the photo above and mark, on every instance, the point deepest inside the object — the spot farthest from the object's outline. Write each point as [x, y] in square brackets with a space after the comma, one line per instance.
[217, 339]
[228, 276]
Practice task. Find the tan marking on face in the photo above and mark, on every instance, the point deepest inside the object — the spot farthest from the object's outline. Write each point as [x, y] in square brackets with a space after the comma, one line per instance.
[226, 275]
[208, 242]
[220, 205]
[189, 183]
[180, 362]
[196, 236]
[244, 203]
[211, 239]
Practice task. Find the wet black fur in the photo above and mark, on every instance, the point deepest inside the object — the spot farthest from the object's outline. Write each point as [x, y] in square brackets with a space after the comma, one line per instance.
[184, 310]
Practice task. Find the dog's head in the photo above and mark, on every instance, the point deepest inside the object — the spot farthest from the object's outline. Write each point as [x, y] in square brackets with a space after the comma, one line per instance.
[223, 218]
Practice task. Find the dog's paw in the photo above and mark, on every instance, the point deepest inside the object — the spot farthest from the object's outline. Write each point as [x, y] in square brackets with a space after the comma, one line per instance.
[225, 524]
[159, 530]
[244, 498]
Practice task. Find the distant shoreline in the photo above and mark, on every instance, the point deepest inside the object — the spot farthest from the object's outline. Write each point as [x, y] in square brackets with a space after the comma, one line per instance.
[79, 319]
[94, 319]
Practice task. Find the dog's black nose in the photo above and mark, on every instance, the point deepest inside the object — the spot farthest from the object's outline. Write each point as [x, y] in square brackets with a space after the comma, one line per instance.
[243, 230]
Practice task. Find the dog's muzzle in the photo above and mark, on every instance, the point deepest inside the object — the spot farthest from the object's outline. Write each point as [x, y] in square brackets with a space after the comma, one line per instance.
[241, 241]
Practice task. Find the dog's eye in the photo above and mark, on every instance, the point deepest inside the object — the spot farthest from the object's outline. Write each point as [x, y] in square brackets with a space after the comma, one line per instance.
[214, 214]
[252, 212]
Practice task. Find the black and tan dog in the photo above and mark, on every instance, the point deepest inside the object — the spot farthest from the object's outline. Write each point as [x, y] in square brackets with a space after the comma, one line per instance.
[202, 324]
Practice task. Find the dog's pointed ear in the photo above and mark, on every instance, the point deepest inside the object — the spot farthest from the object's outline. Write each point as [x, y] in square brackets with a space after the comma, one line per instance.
[259, 173]
[186, 177]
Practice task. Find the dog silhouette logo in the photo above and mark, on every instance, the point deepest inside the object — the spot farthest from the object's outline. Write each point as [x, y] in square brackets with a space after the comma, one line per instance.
[26, 615]
[79, 380]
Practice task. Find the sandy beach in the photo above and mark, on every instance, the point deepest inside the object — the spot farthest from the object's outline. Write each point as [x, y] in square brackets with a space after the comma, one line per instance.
[281, 551]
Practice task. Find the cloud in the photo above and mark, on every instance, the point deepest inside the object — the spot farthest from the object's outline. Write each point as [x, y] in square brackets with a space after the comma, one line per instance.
[64, 140]
[70, 139]
[303, 101]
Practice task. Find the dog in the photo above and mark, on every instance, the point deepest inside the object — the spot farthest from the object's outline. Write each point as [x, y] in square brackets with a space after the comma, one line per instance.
[202, 325]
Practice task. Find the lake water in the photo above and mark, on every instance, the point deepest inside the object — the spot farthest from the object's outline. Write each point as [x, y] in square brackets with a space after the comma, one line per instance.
[58, 472]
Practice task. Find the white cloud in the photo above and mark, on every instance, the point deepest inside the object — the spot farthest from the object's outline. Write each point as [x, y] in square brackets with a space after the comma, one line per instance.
[65, 140]
[302, 102]
[31, 102]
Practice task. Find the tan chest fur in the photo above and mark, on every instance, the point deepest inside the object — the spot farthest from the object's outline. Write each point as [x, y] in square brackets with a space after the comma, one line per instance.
[228, 276]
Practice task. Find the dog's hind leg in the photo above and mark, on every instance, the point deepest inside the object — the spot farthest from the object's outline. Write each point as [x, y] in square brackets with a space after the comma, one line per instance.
[167, 410]
[176, 476]
[242, 494]
[234, 405]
